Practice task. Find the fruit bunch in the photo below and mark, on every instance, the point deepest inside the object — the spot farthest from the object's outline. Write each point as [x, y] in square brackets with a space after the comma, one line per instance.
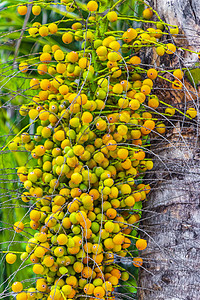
[93, 112]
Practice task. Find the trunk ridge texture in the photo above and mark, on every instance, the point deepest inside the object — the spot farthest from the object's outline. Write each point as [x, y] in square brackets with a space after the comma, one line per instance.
[171, 218]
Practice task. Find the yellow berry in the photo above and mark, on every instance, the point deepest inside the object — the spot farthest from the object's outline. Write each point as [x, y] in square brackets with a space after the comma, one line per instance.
[160, 50]
[59, 55]
[53, 28]
[62, 239]
[36, 10]
[191, 112]
[141, 244]
[92, 6]
[171, 48]
[174, 30]
[11, 258]
[18, 227]
[67, 38]
[178, 74]
[137, 262]
[17, 287]
[152, 73]
[112, 16]
[45, 58]
[147, 13]
[43, 31]
[22, 10]
[23, 67]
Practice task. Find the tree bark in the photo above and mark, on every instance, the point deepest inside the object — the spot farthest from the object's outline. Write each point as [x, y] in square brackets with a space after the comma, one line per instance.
[171, 217]
[186, 15]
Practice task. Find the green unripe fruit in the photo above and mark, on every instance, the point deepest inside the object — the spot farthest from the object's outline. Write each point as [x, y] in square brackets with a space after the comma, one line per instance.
[87, 75]
[63, 270]
[97, 210]
[78, 35]
[116, 228]
[92, 215]
[64, 260]
[82, 282]
[97, 43]
[24, 256]
[39, 129]
[134, 121]
[71, 271]
[71, 134]
[13, 146]
[61, 107]
[101, 94]
[98, 282]
[45, 272]
[122, 204]
[100, 216]
[70, 242]
[70, 68]
[99, 171]
[50, 279]
[32, 177]
[46, 158]
[95, 227]
[77, 71]
[45, 123]
[74, 122]
[76, 229]
[83, 187]
[81, 254]
[66, 289]
[66, 149]
[124, 276]
[108, 269]
[57, 228]
[72, 259]
[70, 153]
[54, 169]
[160, 26]
[104, 235]
[96, 239]
[85, 129]
[48, 144]
[47, 177]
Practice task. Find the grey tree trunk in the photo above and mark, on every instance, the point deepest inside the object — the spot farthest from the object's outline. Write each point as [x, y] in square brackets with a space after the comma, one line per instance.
[171, 217]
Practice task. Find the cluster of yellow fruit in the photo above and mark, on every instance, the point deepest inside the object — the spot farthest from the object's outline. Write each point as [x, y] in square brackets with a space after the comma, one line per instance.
[93, 112]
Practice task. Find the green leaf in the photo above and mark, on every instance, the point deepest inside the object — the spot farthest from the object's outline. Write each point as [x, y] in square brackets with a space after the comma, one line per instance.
[194, 75]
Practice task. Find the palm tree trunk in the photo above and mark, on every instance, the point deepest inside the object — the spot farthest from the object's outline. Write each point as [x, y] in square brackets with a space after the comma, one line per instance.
[171, 217]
